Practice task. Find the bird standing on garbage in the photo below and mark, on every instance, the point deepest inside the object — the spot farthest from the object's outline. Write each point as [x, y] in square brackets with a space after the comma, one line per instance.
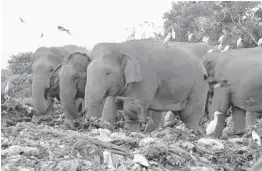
[256, 137]
[64, 29]
[213, 124]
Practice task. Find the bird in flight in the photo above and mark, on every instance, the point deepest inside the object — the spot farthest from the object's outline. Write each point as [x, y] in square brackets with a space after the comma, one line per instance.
[64, 29]
[22, 21]
[42, 35]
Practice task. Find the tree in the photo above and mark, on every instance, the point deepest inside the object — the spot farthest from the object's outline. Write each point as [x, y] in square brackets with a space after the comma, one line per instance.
[4, 75]
[213, 17]
[21, 63]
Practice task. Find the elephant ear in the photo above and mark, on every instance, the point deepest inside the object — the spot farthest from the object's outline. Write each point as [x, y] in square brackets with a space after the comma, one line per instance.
[131, 69]
[55, 75]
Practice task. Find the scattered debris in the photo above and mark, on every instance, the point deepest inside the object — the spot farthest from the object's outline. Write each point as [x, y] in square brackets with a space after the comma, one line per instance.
[90, 144]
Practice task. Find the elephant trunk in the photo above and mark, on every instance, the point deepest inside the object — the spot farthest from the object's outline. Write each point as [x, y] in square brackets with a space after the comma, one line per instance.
[38, 96]
[69, 105]
[95, 93]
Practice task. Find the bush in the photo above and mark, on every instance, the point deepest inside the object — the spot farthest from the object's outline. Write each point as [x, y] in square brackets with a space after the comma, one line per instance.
[4, 75]
[21, 63]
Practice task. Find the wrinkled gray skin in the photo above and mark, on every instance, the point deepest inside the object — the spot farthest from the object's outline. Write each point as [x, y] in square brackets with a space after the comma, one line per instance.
[72, 82]
[239, 74]
[200, 49]
[161, 78]
[45, 87]
[132, 108]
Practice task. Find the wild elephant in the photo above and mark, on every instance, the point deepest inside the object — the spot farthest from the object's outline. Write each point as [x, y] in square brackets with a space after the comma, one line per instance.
[238, 78]
[161, 78]
[45, 84]
[72, 82]
[200, 49]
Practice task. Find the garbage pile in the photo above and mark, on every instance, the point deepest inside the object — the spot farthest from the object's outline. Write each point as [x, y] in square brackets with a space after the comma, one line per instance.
[91, 144]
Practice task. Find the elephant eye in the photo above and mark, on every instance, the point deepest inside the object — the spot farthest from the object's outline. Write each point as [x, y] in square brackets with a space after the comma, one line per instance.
[107, 73]
[51, 69]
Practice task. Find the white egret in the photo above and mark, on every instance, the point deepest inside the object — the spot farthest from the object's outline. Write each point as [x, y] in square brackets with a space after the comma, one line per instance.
[256, 137]
[167, 38]
[221, 38]
[132, 36]
[260, 42]
[8, 87]
[190, 36]
[213, 124]
[226, 48]
[210, 51]
[220, 46]
[206, 39]
[239, 43]
[173, 34]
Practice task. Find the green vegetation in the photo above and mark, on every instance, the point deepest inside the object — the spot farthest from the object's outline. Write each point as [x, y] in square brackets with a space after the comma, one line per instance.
[212, 18]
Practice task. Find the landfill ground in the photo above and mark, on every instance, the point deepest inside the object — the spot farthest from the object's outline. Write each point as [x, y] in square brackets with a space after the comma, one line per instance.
[90, 144]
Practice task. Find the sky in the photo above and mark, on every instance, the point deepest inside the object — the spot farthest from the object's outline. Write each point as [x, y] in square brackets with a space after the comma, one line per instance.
[89, 22]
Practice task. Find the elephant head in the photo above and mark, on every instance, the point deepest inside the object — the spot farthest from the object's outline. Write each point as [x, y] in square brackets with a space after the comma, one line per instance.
[45, 84]
[111, 73]
[132, 109]
[72, 82]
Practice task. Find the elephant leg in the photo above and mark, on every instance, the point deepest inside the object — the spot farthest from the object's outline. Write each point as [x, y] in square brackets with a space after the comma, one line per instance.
[109, 110]
[192, 115]
[251, 118]
[195, 106]
[221, 103]
[238, 118]
[156, 116]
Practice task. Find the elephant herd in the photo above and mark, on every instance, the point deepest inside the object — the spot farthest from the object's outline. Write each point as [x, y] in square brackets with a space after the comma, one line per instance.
[145, 78]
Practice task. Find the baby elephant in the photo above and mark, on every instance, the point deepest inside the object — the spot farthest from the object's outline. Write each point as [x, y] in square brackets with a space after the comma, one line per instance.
[132, 109]
[133, 114]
